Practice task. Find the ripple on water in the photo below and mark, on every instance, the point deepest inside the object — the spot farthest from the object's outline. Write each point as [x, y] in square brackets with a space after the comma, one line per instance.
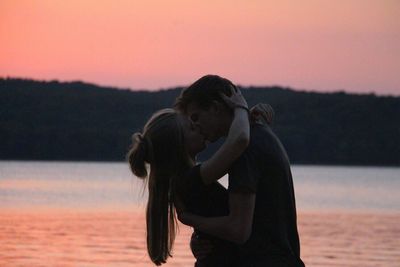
[104, 239]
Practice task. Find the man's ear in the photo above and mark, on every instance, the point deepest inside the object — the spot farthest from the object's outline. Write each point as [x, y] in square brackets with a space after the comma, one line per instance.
[216, 106]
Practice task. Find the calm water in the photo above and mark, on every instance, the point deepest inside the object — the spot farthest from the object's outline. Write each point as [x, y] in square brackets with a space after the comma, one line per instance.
[77, 185]
[92, 214]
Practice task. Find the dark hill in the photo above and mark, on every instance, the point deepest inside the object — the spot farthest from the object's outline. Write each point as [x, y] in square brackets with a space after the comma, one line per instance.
[79, 121]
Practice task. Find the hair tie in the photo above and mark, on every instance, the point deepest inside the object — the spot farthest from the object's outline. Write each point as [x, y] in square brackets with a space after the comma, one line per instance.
[140, 137]
[146, 146]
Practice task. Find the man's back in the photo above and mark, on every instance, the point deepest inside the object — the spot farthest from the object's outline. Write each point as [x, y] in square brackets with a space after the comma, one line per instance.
[264, 169]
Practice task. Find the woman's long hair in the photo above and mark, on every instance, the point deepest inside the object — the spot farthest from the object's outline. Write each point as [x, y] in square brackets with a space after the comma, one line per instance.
[161, 146]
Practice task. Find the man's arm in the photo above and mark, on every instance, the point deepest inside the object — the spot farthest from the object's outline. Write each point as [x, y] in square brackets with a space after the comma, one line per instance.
[235, 227]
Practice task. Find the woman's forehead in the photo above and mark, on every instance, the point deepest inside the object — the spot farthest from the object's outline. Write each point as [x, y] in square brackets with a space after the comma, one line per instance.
[184, 119]
[192, 108]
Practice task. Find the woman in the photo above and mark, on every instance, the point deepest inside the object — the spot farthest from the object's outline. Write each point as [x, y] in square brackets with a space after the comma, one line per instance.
[169, 144]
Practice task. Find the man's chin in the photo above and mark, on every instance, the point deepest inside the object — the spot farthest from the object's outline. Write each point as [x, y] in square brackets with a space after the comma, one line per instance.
[203, 147]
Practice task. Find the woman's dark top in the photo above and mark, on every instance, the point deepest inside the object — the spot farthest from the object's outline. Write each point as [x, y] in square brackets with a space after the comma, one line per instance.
[209, 201]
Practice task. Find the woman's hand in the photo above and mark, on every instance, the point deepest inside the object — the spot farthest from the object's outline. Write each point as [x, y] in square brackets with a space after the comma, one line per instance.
[262, 113]
[236, 100]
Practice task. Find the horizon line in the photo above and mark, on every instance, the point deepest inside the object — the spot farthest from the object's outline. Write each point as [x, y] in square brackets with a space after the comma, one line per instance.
[285, 87]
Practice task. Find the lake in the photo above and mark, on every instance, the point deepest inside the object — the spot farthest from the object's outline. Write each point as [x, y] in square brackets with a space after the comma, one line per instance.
[91, 214]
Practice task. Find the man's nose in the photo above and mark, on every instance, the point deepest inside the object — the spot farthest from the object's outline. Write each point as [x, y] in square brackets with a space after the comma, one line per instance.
[194, 122]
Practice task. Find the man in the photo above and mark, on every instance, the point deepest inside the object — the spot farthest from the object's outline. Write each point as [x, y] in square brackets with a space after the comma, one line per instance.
[262, 210]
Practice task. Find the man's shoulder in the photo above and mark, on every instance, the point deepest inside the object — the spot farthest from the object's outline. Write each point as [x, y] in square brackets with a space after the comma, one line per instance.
[264, 142]
[260, 141]
[260, 134]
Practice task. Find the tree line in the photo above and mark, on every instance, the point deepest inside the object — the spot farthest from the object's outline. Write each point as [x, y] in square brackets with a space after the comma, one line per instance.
[51, 120]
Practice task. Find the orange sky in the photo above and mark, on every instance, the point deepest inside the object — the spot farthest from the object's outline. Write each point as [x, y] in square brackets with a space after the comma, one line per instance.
[324, 45]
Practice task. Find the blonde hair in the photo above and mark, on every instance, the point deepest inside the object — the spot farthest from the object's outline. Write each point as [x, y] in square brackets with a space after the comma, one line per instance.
[162, 147]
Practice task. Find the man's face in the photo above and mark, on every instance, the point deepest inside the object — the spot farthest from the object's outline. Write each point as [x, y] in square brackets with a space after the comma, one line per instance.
[206, 119]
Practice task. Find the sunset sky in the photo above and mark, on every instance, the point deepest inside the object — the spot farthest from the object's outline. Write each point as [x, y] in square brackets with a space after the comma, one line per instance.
[323, 45]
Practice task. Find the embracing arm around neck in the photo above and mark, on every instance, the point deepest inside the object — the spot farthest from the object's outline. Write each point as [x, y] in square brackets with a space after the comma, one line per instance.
[236, 142]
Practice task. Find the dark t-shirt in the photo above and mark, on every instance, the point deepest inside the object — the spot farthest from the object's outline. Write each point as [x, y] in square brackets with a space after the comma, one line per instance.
[209, 201]
[264, 169]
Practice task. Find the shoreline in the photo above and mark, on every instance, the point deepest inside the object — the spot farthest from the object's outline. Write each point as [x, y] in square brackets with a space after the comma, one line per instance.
[83, 161]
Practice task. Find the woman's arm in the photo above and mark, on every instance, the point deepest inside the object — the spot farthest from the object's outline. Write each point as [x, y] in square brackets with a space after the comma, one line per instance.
[235, 143]
[235, 227]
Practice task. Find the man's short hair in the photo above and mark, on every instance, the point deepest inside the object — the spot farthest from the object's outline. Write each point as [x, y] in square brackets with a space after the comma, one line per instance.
[203, 92]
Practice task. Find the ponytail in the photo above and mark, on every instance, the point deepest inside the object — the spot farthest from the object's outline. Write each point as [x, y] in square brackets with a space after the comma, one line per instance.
[161, 220]
[162, 147]
[138, 155]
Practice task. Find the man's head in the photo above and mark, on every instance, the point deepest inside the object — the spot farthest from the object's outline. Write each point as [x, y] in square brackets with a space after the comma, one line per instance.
[202, 103]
